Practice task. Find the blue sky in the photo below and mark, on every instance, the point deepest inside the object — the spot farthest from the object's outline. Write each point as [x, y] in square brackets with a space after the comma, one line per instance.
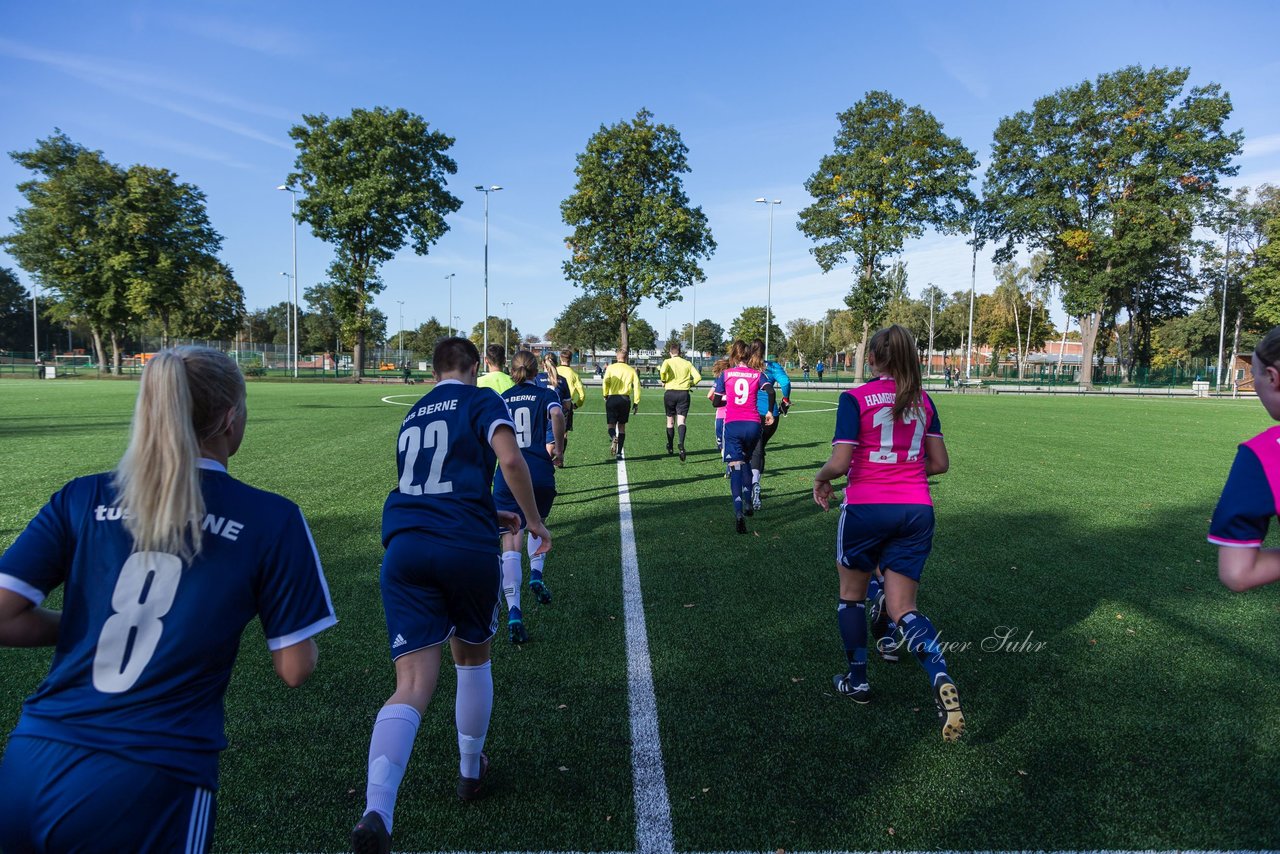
[210, 90]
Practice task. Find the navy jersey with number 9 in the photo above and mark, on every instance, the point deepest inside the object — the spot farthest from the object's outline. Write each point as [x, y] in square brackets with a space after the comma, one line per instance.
[444, 465]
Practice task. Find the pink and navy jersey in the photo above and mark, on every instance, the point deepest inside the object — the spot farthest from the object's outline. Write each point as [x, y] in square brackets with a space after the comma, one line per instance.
[147, 642]
[739, 387]
[888, 455]
[1251, 496]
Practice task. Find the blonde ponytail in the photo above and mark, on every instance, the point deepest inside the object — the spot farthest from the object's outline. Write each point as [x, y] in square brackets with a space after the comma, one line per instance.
[183, 400]
[524, 366]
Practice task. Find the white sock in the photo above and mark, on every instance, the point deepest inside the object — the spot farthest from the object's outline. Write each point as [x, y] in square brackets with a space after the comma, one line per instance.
[536, 562]
[471, 713]
[511, 573]
[389, 749]
[755, 476]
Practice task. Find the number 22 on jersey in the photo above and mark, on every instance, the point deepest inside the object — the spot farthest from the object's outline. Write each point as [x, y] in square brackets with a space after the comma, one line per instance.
[435, 435]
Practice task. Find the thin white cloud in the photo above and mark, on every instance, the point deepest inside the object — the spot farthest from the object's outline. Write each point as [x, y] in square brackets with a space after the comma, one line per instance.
[1262, 146]
[177, 146]
[136, 78]
[264, 40]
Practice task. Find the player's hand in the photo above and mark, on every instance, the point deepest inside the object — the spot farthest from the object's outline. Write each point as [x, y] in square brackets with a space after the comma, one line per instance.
[635, 407]
[509, 520]
[785, 405]
[540, 531]
[822, 491]
[768, 419]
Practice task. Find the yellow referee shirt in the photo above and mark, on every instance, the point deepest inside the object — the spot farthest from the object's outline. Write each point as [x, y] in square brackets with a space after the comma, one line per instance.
[679, 374]
[577, 394]
[621, 378]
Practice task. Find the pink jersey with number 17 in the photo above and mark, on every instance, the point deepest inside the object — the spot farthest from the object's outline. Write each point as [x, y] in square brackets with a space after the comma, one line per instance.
[888, 454]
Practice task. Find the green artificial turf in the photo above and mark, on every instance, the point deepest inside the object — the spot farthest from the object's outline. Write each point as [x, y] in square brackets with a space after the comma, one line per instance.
[1147, 718]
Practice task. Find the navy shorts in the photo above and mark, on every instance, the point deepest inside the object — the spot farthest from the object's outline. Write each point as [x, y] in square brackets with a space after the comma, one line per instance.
[719, 432]
[64, 797]
[895, 537]
[568, 416]
[543, 496]
[740, 439]
[431, 592]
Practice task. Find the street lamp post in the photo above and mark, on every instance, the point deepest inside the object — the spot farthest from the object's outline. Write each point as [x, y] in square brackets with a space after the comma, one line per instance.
[288, 327]
[693, 328]
[506, 328]
[932, 298]
[293, 197]
[1222, 329]
[400, 303]
[493, 188]
[768, 298]
[35, 324]
[449, 279]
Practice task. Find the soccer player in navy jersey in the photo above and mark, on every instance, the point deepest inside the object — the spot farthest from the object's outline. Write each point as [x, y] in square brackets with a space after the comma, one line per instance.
[442, 575]
[887, 442]
[1249, 498]
[552, 377]
[163, 562]
[538, 415]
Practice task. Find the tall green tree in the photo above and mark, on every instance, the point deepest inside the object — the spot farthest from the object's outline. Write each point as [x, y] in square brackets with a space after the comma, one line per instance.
[163, 239]
[706, 336]
[642, 335]
[635, 234]
[749, 324]
[16, 328]
[372, 182]
[893, 174]
[212, 303]
[499, 332]
[1108, 178]
[65, 239]
[584, 325]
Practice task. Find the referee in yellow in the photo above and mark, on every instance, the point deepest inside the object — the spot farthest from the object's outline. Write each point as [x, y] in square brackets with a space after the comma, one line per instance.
[621, 398]
[678, 376]
[577, 394]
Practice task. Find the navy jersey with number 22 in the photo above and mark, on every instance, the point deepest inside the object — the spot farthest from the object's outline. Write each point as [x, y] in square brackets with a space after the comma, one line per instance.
[445, 466]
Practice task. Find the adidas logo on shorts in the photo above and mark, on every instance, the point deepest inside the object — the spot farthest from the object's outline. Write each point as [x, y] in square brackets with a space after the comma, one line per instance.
[398, 642]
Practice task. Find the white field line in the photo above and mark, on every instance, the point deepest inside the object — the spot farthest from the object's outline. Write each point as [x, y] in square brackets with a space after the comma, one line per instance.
[654, 834]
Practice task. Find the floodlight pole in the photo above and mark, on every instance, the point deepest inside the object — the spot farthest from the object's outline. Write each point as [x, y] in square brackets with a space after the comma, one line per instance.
[1222, 329]
[493, 188]
[768, 294]
[293, 196]
[35, 325]
[449, 279]
[288, 327]
[400, 302]
[929, 355]
[506, 328]
[693, 329]
[973, 286]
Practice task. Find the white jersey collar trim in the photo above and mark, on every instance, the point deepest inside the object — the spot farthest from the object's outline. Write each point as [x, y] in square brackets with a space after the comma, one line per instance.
[211, 465]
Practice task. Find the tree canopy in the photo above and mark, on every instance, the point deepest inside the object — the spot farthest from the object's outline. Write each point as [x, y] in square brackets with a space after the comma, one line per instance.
[1107, 178]
[892, 175]
[635, 234]
[371, 183]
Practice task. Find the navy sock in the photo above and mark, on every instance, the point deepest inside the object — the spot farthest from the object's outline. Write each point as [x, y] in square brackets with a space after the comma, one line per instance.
[735, 488]
[681, 428]
[852, 617]
[622, 439]
[922, 642]
[612, 433]
[875, 586]
[671, 435]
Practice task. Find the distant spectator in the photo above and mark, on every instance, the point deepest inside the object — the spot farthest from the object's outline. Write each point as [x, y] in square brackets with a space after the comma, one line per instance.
[820, 367]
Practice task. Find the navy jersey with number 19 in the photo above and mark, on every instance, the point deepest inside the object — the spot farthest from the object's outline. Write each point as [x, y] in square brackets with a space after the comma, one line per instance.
[445, 466]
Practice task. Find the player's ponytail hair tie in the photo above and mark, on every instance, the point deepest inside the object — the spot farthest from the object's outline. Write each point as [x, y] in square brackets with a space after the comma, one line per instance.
[1268, 349]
